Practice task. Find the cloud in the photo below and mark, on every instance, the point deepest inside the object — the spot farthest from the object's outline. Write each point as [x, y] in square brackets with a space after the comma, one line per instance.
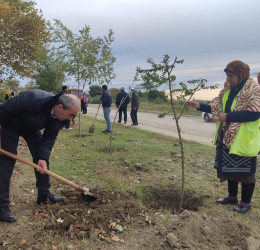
[206, 34]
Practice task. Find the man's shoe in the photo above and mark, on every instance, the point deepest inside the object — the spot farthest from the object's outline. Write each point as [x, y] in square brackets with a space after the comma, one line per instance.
[6, 215]
[125, 122]
[227, 200]
[119, 121]
[104, 131]
[242, 209]
[107, 132]
[51, 197]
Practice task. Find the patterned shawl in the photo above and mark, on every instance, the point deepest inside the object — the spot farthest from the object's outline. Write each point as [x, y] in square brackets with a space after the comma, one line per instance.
[248, 99]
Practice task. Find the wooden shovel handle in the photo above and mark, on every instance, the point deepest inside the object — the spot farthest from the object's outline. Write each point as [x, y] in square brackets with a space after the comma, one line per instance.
[65, 181]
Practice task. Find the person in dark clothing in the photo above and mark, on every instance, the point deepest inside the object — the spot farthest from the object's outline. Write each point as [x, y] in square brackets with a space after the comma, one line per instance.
[237, 113]
[124, 97]
[84, 104]
[134, 106]
[64, 90]
[6, 97]
[106, 100]
[37, 116]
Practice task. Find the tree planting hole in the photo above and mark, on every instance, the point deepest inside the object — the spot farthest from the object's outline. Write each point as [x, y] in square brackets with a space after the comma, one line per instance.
[168, 197]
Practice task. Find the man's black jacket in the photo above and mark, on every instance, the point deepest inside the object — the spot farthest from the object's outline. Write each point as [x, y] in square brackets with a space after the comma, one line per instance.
[120, 96]
[30, 111]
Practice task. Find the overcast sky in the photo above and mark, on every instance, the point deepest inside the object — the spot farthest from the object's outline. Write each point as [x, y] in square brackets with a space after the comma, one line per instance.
[207, 34]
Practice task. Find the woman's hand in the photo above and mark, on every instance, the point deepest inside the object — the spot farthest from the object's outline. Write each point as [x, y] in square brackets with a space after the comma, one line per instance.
[193, 104]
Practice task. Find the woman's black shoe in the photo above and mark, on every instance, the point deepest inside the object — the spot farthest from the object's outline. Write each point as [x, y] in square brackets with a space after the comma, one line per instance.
[242, 209]
[51, 197]
[6, 215]
[227, 200]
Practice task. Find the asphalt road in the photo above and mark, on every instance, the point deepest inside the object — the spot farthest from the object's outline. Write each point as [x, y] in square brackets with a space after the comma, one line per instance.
[192, 127]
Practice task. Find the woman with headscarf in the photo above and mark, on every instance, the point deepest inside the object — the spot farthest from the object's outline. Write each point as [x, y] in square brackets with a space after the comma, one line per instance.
[237, 113]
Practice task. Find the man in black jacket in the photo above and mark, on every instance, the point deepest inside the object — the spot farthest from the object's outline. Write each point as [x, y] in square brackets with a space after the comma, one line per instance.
[122, 96]
[134, 106]
[27, 115]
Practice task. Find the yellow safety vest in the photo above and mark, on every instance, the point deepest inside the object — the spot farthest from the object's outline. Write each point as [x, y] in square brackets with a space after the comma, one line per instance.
[247, 140]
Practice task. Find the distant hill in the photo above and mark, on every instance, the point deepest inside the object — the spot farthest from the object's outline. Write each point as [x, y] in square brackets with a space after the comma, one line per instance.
[204, 94]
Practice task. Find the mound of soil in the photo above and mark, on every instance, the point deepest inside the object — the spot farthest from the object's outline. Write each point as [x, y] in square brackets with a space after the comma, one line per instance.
[78, 219]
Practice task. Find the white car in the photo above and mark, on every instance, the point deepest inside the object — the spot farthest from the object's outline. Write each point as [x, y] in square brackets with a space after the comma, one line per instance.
[206, 116]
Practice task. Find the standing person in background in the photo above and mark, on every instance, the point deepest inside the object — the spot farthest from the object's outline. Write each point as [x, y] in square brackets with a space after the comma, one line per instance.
[258, 78]
[134, 106]
[84, 104]
[37, 116]
[6, 97]
[237, 113]
[106, 100]
[11, 94]
[64, 90]
[123, 108]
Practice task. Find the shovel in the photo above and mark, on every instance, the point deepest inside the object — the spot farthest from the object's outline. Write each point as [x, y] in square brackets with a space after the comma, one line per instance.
[91, 129]
[85, 191]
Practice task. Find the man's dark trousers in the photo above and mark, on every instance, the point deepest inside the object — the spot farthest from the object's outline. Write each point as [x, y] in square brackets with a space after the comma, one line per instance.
[134, 116]
[124, 111]
[9, 142]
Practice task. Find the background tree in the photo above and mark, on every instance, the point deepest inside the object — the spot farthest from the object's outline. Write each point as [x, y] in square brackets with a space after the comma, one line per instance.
[156, 94]
[49, 74]
[88, 59]
[160, 74]
[95, 90]
[113, 92]
[23, 32]
[7, 86]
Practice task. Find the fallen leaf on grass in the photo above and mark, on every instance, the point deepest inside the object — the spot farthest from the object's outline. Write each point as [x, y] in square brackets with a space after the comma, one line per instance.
[126, 217]
[60, 220]
[36, 215]
[100, 234]
[23, 243]
[148, 219]
[3, 243]
[114, 237]
[45, 214]
[112, 225]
